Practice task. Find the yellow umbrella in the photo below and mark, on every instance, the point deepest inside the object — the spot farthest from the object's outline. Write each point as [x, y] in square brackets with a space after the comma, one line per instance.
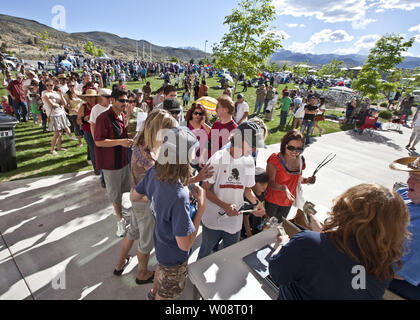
[208, 103]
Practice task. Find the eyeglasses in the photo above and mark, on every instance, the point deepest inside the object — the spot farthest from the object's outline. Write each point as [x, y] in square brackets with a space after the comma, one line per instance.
[198, 113]
[292, 148]
[123, 100]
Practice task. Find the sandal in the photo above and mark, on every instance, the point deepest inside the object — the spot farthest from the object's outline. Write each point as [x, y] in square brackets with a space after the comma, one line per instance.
[119, 272]
[150, 280]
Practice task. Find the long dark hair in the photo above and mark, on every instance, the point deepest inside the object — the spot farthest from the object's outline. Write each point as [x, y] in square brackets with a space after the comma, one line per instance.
[194, 106]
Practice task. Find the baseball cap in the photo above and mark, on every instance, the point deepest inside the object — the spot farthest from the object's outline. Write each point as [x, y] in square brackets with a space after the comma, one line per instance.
[251, 133]
[239, 96]
[179, 145]
[171, 104]
[19, 75]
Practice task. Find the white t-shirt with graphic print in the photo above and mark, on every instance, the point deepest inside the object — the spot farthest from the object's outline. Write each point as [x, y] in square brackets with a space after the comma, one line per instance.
[231, 177]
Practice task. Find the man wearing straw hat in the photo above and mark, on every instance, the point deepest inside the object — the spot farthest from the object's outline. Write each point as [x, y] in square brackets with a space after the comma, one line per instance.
[407, 282]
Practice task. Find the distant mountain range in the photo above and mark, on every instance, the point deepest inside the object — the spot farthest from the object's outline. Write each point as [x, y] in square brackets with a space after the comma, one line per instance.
[350, 60]
[19, 35]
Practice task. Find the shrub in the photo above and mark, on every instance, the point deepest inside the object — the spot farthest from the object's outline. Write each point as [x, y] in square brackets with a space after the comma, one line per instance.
[385, 114]
[384, 104]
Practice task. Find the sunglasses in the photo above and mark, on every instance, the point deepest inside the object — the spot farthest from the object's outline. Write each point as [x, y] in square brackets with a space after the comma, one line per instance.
[70, 85]
[123, 100]
[49, 85]
[198, 113]
[132, 101]
[292, 148]
[175, 112]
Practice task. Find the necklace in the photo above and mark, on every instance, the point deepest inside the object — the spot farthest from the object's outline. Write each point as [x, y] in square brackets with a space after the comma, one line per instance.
[292, 164]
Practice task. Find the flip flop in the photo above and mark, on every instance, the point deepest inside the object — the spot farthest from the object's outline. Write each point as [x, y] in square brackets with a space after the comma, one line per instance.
[119, 272]
[150, 280]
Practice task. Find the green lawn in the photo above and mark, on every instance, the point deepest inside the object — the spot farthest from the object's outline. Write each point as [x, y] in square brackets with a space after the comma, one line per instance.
[33, 146]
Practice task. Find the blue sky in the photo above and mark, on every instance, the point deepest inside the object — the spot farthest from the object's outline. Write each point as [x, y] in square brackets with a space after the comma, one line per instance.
[309, 26]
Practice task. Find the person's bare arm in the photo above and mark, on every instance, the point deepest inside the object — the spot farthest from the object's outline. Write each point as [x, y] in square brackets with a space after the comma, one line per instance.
[227, 207]
[245, 116]
[92, 130]
[137, 197]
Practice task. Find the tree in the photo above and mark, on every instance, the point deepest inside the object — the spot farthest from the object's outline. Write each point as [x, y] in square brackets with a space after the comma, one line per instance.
[250, 40]
[272, 67]
[173, 59]
[43, 38]
[93, 50]
[332, 68]
[192, 61]
[383, 57]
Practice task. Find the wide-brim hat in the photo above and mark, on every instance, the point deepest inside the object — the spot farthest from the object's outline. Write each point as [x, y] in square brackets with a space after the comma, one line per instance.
[90, 93]
[62, 76]
[103, 92]
[408, 164]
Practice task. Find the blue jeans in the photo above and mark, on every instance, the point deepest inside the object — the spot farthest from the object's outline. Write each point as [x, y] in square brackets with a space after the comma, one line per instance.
[265, 105]
[91, 147]
[283, 117]
[407, 113]
[20, 113]
[309, 125]
[211, 237]
[258, 106]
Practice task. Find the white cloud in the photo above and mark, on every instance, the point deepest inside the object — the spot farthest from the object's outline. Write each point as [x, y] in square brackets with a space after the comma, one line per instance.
[365, 42]
[417, 38]
[406, 5]
[415, 28]
[295, 25]
[283, 34]
[326, 10]
[361, 23]
[326, 35]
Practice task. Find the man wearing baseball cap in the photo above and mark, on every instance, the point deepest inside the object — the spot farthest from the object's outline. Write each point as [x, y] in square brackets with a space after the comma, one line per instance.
[17, 93]
[233, 178]
[172, 105]
[407, 281]
[241, 110]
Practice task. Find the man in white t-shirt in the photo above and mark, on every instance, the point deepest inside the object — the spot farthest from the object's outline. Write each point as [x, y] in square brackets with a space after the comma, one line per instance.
[415, 135]
[233, 178]
[241, 110]
[102, 106]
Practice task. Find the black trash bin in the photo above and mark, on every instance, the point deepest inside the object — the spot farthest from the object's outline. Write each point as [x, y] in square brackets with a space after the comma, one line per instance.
[7, 142]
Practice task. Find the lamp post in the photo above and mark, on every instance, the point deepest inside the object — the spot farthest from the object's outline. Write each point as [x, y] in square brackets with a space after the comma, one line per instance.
[205, 48]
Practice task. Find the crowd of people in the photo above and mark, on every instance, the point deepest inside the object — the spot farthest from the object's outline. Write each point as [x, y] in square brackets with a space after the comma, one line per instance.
[183, 171]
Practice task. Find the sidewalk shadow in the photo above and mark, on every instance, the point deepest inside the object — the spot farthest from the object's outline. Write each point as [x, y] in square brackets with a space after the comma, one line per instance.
[376, 137]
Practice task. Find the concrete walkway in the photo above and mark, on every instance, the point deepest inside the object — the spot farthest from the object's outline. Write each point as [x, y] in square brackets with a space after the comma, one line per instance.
[58, 233]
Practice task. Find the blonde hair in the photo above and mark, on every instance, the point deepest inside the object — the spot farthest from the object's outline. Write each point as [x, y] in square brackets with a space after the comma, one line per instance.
[227, 103]
[172, 173]
[373, 220]
[156, 120]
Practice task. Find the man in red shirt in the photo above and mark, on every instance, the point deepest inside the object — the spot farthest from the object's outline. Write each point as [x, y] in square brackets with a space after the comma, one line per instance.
[111, 152]
[16, 92]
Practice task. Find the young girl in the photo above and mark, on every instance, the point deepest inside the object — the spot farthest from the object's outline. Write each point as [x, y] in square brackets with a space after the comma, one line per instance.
[35, 102]
[186, 97]
[175, 230]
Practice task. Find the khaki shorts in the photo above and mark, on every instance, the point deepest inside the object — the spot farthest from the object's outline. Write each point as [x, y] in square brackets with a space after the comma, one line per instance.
[142, 226]
[171, 281]
[117, 182]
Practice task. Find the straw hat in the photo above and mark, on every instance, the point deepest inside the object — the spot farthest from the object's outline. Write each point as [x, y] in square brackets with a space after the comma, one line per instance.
[408, 164]
[103, 92]
[62, 76]
[89, 94]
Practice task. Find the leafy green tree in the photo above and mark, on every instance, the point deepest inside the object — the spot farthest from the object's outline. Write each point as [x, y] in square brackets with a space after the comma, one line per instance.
[250, 40]
[332, 68]
[300, 70]
[384, 56]
[43, 38]
[93, 50]
[192, 61]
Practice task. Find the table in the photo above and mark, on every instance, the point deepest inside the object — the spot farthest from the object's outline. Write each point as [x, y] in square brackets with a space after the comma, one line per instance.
[223, 275]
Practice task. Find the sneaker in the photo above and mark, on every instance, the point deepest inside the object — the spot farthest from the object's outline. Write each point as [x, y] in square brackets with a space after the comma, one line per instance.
[72, 138]
[121, 228]
[89, 162]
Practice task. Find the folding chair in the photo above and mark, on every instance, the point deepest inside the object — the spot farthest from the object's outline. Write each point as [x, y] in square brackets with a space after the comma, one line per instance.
[396, 122]
[369, 125]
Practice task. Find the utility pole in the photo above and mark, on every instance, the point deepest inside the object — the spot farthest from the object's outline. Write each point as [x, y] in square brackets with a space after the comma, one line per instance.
[137, 50]
[151, 59]
[143, 50]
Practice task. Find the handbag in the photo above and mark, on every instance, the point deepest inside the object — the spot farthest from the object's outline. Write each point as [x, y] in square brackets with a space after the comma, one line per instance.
[299, 199]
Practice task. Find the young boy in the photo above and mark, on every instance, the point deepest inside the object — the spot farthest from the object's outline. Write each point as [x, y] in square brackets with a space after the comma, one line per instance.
[175, 231]
[233, 178]
[252, 224]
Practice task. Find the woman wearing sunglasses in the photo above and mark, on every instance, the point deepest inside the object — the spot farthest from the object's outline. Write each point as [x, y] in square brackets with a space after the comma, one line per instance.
[284, 171]
[197, 122]
[57, 121]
